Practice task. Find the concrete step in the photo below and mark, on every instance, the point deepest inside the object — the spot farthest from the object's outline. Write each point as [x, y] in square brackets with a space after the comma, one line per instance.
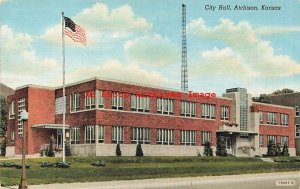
[267, 160]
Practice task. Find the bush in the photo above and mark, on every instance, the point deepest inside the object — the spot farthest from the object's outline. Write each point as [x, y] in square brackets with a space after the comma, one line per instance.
[50, 151]
[67, 149]
[47, 164]
[3, 147]
[99, 163]
[118, 150]
[221, 147]
[207, 149]
[271, 148]
[277, 150]
[285, 150]
[61, 165]
[139, 150]
[13, 164]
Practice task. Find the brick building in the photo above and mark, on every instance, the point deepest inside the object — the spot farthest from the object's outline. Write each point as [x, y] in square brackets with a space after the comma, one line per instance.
[293, 100]
[101, 113]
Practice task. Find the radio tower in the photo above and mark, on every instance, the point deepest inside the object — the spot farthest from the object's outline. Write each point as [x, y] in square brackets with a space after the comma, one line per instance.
[184, 73]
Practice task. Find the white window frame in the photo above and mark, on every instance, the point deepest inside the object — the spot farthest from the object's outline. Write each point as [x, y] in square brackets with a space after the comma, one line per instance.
[117, 134]
[261, 120]
[297, 131]
[271, 118]
[140, 135]
[89, 133]
[272, 137]
[117, 100]
[75, 135]
[297, 111]
[261, 140]
[21, 106]
[284, 140]
[140, 103]
[187, 137]
[284, 119]
[205, 137]
[100, 133]
[208, 111]
[12, 110]
[165, 136]
[224, 113]
[165, 106]
[187, 109]
[90, 99]
[12, 137]
[74, 102]
[99, 99]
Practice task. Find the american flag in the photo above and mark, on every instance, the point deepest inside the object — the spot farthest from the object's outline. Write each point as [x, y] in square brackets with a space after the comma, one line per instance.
[74, 31]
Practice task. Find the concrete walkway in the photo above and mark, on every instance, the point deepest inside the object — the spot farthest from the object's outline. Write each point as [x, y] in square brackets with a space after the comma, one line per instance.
[188, 182]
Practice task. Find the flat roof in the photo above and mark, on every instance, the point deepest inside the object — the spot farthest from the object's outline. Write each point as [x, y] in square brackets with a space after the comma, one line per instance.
[35, 86]
[50, 126]
[275, 105]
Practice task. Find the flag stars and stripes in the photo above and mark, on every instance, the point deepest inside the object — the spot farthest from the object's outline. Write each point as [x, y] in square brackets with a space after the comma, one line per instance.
[74, 31]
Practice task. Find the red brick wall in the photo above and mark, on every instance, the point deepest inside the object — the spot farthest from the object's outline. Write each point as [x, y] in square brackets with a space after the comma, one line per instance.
[277, 130]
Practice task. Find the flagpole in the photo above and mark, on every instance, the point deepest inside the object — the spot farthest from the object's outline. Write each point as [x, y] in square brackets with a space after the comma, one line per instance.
[63, 68]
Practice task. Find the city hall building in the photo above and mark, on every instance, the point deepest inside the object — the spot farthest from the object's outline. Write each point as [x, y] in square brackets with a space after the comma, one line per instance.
[101, 113]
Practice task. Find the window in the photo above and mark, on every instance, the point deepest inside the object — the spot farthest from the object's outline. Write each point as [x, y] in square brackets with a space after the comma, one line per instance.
[224, 113]
[206, 136]
[271, 118]
[284, 119]
[75, 135]
[187, 137]
[89, 99]
[12, 110]
[297, 131]
[90, 134]
[260, 117]
[188, 109]
[21, 106]
[165, 106]
[208, 111]
[297, 111]
[100, 100]
[59, 105]
[140, 135]
[165, 136]
[12, 137]
[271, 138]
[261, 140]
[139, 103]
[284, 140]
[117, 101]
[100, 133]
[75, 102]
[117, 134]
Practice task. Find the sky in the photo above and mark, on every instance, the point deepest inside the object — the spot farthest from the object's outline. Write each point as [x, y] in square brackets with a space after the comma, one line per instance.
[140, 41]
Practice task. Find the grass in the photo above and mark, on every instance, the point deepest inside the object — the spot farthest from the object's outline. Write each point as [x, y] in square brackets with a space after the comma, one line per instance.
[121, 168]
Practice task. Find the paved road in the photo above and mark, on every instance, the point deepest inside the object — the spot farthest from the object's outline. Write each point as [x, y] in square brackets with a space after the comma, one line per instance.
[247, 181]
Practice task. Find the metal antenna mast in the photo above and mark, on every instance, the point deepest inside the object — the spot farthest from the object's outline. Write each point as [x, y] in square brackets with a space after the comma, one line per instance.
[184, 73]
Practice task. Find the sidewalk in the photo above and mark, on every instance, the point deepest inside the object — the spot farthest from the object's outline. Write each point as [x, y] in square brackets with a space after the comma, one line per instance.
[170, 182]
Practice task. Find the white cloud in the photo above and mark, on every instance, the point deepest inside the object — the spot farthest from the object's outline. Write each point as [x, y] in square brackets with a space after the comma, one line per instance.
[101, 24]
[275, 30]
[114, 69]
[152, 50]
[256, 55]
[20, 61]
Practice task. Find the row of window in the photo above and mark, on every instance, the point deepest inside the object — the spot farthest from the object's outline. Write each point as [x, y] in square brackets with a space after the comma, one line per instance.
[272, 118]
[284, 140]
[138, 135]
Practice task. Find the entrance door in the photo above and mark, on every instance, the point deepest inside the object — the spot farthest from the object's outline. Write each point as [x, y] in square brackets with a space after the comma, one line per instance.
[59, 138]
[228, 144]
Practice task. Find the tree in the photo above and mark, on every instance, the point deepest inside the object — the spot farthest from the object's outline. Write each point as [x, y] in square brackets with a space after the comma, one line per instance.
[221, 147]
[118, 150]
[271, 148]
[283, 91]
[50, 151]
[207, 149]
[285, 150]
[264, 98]
[3, 126]
[139, 150]
[67, 149]
[277, 150]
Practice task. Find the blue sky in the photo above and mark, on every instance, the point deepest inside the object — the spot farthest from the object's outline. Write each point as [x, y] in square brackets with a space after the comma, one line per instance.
[140, 41]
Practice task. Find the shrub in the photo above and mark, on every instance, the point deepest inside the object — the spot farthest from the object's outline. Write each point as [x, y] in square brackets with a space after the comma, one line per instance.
[99, 163]
[67, 149]
[221, 147]
[47, 164]
[271, 148]
[50, 151]
[285, 150]
[3, 147]
[277, 150]
[62, 165]
[13, 164]
[118, 150]
[207, 149]
[139, 150]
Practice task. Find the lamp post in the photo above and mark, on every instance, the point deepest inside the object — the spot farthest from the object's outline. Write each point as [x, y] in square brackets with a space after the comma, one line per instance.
[23, 182]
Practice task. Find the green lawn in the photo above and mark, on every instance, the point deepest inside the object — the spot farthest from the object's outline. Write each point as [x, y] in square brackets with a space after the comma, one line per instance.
[118, 168]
